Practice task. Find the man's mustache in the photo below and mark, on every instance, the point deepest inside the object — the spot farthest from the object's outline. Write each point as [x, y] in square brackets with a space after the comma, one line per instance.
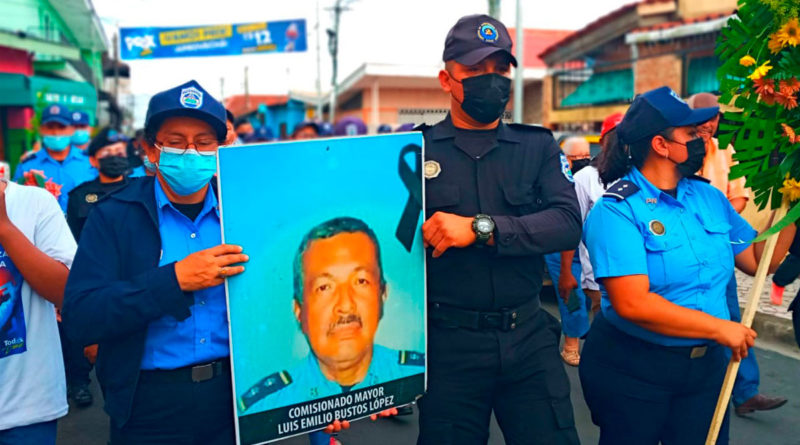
[345, 319]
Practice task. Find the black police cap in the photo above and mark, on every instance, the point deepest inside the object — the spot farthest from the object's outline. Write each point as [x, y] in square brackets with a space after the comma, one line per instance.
[476, 37]
[107, 136]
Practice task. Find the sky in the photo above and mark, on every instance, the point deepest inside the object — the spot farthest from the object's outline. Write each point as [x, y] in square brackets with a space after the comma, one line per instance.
[410, 32]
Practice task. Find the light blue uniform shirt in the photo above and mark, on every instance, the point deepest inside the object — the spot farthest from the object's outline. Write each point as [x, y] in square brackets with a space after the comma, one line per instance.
[73, 171]
[689, 262]
[308, 382]
[203, 337]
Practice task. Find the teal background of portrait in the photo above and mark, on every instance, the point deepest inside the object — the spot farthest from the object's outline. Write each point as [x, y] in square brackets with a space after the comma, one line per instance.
[271, 195]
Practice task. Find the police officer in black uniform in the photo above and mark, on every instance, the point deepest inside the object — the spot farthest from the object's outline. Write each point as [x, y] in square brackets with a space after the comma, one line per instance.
[108, 153]
[498, 197]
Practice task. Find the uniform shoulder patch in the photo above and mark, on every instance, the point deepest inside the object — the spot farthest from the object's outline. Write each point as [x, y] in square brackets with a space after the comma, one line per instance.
[531, 128]
[411, 358]
[621, 189]
[699, 178]
[266, 386]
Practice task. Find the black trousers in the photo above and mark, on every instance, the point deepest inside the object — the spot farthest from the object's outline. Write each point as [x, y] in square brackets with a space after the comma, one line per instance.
[786, 273]
[640, 393]
[180, 413]
[76, 365]
[517, 374]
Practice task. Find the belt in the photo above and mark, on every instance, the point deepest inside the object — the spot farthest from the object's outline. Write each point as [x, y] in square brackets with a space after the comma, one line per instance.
[692, 352]
[502, 320]
[195, 373]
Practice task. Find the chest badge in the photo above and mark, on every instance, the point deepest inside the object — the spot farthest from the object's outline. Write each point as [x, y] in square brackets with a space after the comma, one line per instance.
[91, 198]
[431, 169]
[657, 227]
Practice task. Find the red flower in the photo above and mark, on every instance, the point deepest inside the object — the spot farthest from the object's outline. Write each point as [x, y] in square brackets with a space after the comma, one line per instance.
[764, 86]
[53, 188]
[789, 87]
[788, 102]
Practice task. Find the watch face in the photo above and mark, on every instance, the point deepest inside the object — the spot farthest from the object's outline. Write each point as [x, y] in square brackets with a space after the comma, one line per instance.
[484, 225]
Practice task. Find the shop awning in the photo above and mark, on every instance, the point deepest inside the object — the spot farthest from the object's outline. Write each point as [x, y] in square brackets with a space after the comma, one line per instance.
[39, 91]
[602, 88]
[702, 76]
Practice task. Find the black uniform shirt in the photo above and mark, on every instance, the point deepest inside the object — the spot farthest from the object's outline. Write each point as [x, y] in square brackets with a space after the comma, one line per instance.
[520, 181]
[83, 197]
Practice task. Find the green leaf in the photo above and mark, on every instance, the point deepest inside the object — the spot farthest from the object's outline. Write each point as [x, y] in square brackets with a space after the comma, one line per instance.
[791, 216]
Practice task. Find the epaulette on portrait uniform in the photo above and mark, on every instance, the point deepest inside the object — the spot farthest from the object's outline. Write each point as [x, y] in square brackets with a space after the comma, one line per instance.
[411, 358]
[621, 190]
[531, 128]
[266, 386]
[699, 178]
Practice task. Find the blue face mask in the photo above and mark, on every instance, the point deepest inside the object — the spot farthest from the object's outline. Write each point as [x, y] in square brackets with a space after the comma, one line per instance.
[149, 165]
[186, 171]
[80, 137]
[56, 143]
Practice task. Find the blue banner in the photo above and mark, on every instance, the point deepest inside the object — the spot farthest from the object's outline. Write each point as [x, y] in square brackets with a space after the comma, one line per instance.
[213, 40]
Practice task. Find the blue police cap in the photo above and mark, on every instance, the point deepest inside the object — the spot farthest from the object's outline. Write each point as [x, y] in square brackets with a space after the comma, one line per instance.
[655, 111]
[325, 129]
[190, 100]
[350, 126]
[260, 134]
[305, 124]
[80, 118]
[384, 128]
[476, 37]
[57, 113]
[405, 127]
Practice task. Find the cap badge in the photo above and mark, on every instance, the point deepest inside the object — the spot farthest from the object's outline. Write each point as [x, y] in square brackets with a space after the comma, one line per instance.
[487, 32]
[432, 169]
[91, 198]
[191, 98]
[657, 227]
[76, 116]
[565, 170]
[675, 95]
[55, 110]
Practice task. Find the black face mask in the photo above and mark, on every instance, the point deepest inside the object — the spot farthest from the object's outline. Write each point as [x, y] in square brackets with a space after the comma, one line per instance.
[486, 96]
[113, 166]
[578, 164]
[696, 149]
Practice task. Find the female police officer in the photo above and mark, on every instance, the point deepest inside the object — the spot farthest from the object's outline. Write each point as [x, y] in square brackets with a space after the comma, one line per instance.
[663, 244]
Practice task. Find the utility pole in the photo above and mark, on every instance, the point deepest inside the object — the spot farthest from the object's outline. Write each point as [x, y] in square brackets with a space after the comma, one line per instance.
[333, 47]
[116, 78]
[519, 71]
[221, 89]
[319, 69]
[246, 91]
[494, 9]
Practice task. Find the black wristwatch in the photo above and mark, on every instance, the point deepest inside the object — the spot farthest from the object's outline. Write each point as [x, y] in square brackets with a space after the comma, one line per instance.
[483, 226]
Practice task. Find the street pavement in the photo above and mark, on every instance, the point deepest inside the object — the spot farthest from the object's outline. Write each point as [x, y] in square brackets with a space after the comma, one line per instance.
[779, 376]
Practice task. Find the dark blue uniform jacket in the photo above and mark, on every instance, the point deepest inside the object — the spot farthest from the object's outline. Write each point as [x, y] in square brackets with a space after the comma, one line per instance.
[116, 288]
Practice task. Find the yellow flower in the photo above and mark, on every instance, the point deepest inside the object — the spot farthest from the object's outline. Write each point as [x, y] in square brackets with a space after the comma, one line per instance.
[761, 71]
[790, 189]
[789, 34]
[747, 60]
[775, 46]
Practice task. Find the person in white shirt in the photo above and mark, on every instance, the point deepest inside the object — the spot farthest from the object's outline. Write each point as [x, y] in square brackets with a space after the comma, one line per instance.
[36, 251]
[589, 188]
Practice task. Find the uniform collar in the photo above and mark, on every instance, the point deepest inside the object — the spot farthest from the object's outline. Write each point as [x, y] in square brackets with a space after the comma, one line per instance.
[74, 153]
[313, 367]
[653, 194]
[446, 130]
[209, 203]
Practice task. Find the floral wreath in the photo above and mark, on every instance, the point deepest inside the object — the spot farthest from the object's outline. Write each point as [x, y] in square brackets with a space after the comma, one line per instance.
[760, 51]
[37, 178]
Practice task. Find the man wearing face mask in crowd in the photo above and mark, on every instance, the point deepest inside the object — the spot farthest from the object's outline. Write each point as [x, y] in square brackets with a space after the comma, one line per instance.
[83, 131]
[155, 302]
[59, 161]
[498, 197]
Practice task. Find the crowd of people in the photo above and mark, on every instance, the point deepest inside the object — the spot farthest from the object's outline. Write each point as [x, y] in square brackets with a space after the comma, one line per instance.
[641, 242]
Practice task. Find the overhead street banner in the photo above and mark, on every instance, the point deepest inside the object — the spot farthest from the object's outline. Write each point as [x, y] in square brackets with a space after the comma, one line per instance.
[213, 40]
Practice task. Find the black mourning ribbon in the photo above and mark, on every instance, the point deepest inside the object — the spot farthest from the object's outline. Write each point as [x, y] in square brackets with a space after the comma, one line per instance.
[412, 180]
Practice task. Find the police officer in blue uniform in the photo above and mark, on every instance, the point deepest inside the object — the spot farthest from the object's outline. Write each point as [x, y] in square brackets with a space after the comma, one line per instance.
[663, 244]
[59, 161]
[339, 296]
[147, 284]
[498, 197]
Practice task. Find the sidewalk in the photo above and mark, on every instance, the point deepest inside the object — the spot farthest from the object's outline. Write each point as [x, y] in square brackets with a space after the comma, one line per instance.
[773, 323]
